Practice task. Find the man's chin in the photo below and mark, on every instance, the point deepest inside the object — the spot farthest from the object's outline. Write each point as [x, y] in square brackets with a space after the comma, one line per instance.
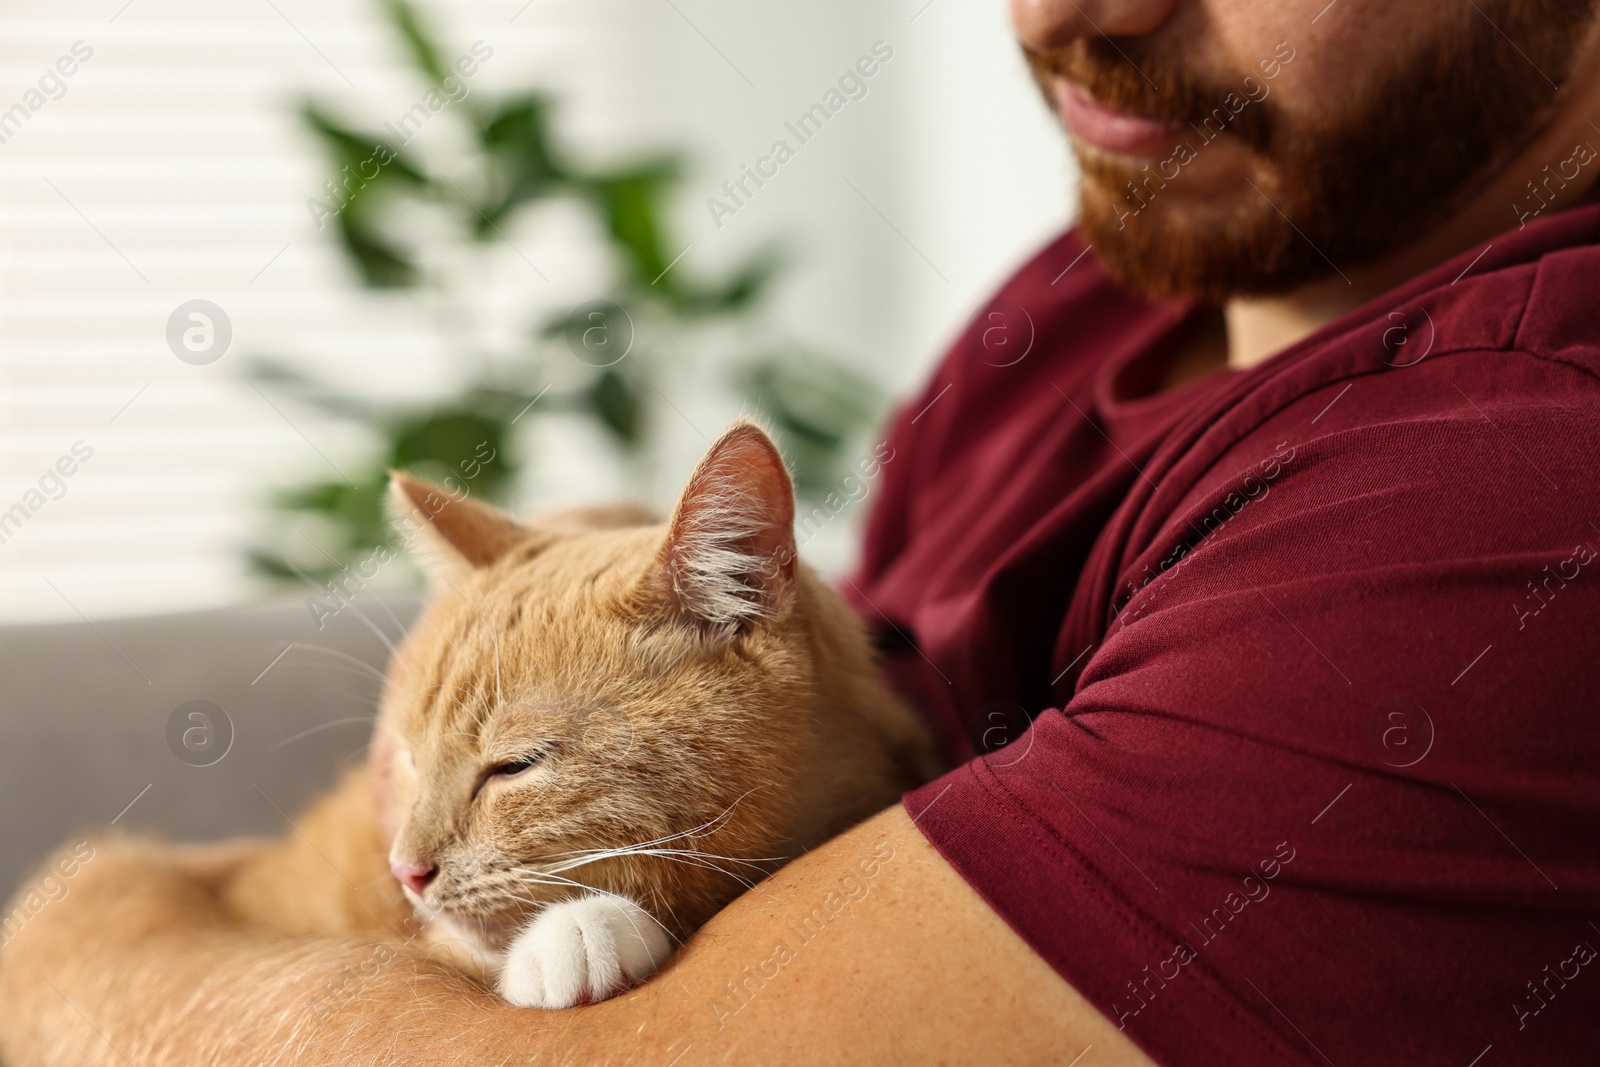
[1183, 245]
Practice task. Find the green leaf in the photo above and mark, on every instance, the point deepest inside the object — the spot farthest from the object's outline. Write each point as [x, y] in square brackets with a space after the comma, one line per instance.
[522, 165]
[818, 406]
[823, 398]
[382, 265]
[272, 565]
[740, 292]
[310, 391]
[420, 45]
[632, 202]
[323, 497]
[351, 148]
[455, 448]
[616, 401]
[368, 173]
[356, 510]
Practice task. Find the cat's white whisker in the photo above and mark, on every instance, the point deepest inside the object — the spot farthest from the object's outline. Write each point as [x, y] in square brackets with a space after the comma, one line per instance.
[306, 646]
[684, 855]
[549, 878]
[306, 578]
[660, 898]
[691, 857]
[399, 626]
[374, 627]
[318, 729]
[688, 857]
[709, 826]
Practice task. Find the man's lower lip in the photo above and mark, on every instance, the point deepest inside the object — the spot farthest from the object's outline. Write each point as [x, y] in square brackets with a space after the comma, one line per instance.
[1113, 131]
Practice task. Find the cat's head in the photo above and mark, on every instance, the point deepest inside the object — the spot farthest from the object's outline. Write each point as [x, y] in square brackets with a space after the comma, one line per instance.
[585, 683]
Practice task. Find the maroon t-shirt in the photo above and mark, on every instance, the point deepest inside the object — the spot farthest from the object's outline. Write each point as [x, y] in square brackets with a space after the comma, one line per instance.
[1282, 685]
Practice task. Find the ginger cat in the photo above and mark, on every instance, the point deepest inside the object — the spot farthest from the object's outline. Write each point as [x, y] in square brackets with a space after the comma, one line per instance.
[598, 734]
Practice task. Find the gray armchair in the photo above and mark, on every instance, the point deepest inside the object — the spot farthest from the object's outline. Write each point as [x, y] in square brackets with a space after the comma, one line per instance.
[97, 722]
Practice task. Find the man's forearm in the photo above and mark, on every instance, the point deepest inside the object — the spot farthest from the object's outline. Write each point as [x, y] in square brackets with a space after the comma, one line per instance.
[137, 964]
[821, 963]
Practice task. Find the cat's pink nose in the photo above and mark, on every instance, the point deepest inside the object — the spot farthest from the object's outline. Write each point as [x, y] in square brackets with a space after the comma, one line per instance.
[413, 875]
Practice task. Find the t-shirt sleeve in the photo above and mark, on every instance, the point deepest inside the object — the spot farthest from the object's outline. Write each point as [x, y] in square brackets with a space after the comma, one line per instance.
[1332, 773]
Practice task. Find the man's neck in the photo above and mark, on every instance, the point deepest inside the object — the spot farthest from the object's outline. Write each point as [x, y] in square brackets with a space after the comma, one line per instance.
[1259, 327]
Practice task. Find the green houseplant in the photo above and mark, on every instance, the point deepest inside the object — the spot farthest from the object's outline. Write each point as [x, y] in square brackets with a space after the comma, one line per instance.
[609, 349]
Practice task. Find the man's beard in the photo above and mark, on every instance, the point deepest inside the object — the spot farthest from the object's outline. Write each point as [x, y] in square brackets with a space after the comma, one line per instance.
[1394, 162]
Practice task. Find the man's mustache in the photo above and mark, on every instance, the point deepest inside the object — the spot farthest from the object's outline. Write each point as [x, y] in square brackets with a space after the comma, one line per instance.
[1129, 77]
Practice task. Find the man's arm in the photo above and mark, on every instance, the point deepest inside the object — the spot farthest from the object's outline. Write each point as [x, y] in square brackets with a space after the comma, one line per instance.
[868, 949]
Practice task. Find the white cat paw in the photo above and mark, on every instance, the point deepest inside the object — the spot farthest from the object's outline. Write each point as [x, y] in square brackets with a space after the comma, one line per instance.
[583, 950]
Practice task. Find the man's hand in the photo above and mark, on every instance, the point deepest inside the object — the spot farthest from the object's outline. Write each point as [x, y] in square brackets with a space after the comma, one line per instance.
[868, 949]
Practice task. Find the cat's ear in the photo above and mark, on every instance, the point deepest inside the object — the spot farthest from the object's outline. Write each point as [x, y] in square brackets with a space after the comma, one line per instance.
[447, 534]
[729, 557]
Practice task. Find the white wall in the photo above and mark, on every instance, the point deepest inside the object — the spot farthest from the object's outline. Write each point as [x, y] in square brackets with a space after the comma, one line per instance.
[170, 170]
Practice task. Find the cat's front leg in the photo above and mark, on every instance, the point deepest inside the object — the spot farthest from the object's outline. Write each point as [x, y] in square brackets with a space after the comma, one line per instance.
[583, 950]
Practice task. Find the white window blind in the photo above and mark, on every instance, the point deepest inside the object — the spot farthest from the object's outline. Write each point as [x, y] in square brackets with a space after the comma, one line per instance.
[171, 166]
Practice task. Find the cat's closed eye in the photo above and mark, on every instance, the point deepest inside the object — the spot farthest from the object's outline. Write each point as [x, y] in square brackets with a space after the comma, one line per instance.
[509, 770]
[512, 768]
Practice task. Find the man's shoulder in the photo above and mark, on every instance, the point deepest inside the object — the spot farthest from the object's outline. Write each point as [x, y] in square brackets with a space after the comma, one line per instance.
[1478, 347]
[1468, 454]
[1461, 419]
[1561, 311]
[1533, 406]
[1531, 292]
